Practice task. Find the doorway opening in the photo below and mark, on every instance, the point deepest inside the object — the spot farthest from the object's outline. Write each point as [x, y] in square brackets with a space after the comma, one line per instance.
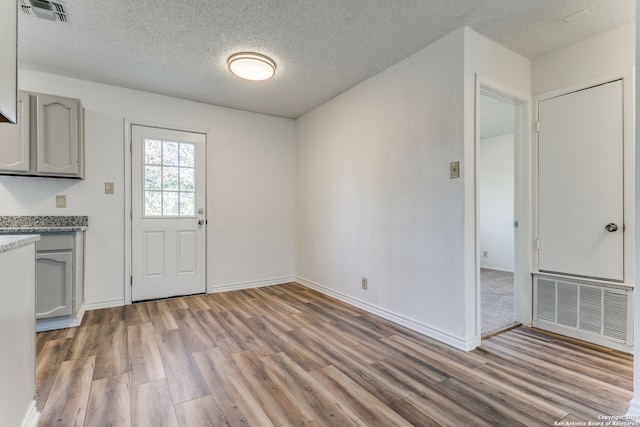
[496, 201]
[502, 278]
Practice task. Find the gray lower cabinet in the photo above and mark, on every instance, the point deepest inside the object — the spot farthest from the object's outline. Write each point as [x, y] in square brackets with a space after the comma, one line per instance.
[59, 275]
[54, 284]
[49, 139]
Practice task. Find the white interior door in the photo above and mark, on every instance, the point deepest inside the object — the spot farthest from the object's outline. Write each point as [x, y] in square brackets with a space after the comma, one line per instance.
[580, 183]
[168, 217]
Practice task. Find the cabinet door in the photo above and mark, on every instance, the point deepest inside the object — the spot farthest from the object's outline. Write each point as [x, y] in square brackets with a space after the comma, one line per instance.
[57, 134]
[14, 140]
[8, 64]
[54, 284]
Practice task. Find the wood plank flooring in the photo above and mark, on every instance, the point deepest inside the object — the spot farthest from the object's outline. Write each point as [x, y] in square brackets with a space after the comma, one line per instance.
[288, 356]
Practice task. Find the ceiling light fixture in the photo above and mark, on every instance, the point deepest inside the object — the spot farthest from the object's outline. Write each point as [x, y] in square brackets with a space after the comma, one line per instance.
[251, 66]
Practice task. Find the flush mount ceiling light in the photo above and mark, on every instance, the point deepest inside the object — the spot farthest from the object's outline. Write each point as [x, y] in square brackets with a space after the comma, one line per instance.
[251, 66]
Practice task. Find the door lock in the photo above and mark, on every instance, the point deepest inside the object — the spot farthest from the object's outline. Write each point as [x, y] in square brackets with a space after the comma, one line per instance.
[201, 222]
[611, 227]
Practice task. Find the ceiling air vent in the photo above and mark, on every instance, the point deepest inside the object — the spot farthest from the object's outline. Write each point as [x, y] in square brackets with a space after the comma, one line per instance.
[44, 9]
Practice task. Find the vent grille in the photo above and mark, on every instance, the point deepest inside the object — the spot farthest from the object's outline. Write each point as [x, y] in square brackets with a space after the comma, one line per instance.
[568, 304]
[546, 307]
[591, 309]
[580, 307]
[44, 9]
[615, 322]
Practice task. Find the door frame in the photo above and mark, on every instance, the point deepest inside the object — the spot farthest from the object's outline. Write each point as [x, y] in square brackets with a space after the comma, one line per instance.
[628, 132]
[128, 194]
[523, 295]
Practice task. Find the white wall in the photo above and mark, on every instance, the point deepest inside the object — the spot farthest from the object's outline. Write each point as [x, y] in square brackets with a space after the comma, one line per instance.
[593, 57]
[373, 194]
[250, 175]
[496, 202]
[374, 197]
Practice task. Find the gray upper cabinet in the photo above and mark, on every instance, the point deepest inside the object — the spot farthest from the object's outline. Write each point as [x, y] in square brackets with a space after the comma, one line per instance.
[49, 140]
[15, 152]
[8, 60]
[57, 135]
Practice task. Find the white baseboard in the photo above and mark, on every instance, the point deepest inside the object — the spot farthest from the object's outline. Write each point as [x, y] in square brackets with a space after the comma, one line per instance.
[249, 285]
[444, 337]
[634, 410]
[71, 322]
[96, 305]
[32, 416]
[60, 323]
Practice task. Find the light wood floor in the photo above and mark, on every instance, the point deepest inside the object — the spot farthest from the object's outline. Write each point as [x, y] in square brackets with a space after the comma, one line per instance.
[288, 356]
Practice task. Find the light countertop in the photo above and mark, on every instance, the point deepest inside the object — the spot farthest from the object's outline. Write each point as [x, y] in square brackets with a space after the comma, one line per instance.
[42, 229]
[9, 242]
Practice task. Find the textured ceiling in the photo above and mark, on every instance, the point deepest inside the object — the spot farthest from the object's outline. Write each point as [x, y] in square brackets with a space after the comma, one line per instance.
[322, 48]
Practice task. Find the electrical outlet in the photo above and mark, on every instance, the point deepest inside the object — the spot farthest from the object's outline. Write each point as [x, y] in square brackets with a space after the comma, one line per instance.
[108, 188]
[364, 283]
[61, 201]
[485, 254]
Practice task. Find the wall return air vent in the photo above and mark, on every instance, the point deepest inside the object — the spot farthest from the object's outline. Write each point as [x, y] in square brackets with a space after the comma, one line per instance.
[44, 9]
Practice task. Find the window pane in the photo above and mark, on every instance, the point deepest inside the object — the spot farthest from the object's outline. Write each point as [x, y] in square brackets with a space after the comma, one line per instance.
[152, 203]
[152, 152]
[186, 179]
[153, 177]
[187, 204]
[170, 203]
[170, 178]
[170, 153]
[187, 154]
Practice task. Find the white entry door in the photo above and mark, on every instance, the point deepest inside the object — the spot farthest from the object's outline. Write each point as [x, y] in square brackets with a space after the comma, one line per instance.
[168, 217]
[580, 183]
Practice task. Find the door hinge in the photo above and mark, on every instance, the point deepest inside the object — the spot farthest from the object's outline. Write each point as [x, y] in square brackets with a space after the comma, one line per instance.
[538, 244]
[130, 280]
[130, 147]
[130, 213]
[516, 224]
[537, 125]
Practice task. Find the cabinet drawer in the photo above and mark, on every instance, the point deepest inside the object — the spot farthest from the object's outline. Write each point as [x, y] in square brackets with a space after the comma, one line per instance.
[55, 242]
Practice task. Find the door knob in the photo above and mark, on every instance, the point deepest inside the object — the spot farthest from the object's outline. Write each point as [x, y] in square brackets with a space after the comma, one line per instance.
[611, 227]
[201, 222]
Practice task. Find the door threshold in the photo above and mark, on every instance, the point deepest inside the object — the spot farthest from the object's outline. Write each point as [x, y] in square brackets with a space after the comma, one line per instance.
[501, 330]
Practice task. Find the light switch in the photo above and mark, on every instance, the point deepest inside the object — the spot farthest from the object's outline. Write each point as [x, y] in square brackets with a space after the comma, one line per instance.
[454, 170]
[108, 188]
[61, 201]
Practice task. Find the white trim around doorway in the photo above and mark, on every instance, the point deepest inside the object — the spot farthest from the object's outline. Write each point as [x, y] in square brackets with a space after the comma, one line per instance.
[128, 123]
[522, 197]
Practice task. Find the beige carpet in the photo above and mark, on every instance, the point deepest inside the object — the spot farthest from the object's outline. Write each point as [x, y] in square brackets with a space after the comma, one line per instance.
[497, 302]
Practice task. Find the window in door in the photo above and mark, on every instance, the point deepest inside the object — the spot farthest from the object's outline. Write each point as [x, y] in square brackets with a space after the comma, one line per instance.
[169, 178]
